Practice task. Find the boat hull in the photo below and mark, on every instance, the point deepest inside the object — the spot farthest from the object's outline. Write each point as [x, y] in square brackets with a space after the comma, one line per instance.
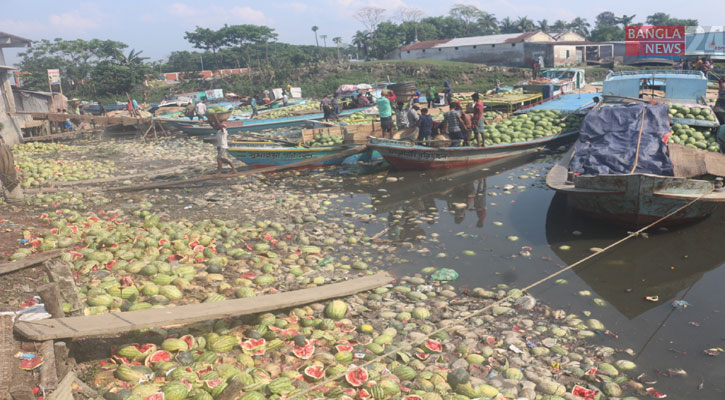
[405, 156]
[640, 199]
[260, 157]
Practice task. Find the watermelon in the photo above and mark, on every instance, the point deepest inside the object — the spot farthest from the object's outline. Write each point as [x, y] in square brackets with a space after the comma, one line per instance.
[157, 357]
[173, 344]
[315, 372]
[357, 377]
[222, 344]
[336, 309]
[126, 373]
[304, 352]
[343, 347]
[155, 396]
[175, 390]
[189, 339]
[432, 346]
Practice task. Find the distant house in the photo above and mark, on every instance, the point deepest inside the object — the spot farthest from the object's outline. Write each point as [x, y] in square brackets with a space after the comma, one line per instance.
[511, 49]
[11, 122]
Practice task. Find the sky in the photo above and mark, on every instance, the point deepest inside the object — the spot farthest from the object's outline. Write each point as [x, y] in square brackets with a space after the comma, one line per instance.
[157, 26]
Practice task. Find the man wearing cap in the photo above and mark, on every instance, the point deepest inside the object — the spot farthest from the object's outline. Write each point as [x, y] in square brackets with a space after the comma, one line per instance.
[222, 152]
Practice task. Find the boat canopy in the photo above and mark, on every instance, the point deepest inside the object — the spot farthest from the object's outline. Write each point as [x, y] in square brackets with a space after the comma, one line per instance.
[574, 74]
[681, 86]
[624, 139]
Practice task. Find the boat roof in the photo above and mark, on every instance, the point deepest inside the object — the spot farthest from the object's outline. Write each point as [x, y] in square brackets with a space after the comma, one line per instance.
[686, 86]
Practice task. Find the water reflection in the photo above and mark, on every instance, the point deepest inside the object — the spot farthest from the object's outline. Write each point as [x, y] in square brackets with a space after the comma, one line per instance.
[662, 265]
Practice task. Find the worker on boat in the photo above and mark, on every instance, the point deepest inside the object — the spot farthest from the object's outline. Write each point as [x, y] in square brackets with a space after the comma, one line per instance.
[326, 106]
[448, 90]
[430, 96]
[336, 105]
[401, 116]
[253, 103]
[362, 100]
[386, 115]
[200, 110]
[452, 124]
[413, 115]
[466, 125]
[222, 149]
[477, 121]
[285, 99]
[425, 127]
[189, 111]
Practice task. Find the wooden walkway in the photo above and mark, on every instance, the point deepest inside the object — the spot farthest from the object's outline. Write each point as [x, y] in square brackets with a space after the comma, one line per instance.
[116, 323]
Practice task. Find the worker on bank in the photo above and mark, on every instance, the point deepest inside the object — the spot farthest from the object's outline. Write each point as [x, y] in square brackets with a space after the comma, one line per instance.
[222, 150]
[535, 68]
[430, 96]
[253, 103]
[425, 127]
[189, 111]
[386, 115]
[448, 91]
[200, 110]
[134, 103]
[477, 121]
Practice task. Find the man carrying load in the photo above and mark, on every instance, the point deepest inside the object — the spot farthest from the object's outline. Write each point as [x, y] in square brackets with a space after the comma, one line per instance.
[222, 149]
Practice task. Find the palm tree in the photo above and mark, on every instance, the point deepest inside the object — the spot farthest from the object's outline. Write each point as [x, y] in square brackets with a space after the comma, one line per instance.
[133, 58]
[559, 26]
[580, 26]
[524, 24]
[626, 19]
[338, 41]
[315, 29]
[507, 26]
[360, 40]
[543, 25]
[324, 39]
[488, 23]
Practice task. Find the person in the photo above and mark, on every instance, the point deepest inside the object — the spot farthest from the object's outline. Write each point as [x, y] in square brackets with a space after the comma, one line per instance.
[134, 103]
[453, 124]
[102, 110]
[678, 65]
[413, 115]
[430, 96]
[288, 89]
[541, 62]
[189, 111]
[222, 150]
[166, 96]
[535, 69]
[200, 110]
[401, 116]
[285, 99]
[425, 126]
[497, 87]
[335, 105]
[253, 103]
[698, 64]
[416, 97]
[129, 107]
[390, 95]
[686, 65]
[466, 125]
[706, 65]
[362, 100]
[386, 115]
[721, 86]
[448, 90]
[326, 106]
[477, 121]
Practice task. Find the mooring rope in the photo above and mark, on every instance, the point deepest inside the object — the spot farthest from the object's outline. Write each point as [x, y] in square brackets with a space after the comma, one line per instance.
[408, 345]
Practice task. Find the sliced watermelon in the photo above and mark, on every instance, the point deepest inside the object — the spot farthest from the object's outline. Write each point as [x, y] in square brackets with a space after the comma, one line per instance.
[304, 352]
[155, 396]
[433, 346]
[189, 339]
[357, 377]
[315, 372]
[343, 347]
[157, 357]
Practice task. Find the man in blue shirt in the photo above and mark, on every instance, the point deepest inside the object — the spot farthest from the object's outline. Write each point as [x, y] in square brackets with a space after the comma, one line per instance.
[425, 126]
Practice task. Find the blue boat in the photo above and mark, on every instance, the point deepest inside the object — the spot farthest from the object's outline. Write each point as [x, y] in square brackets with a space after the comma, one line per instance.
[265, 154]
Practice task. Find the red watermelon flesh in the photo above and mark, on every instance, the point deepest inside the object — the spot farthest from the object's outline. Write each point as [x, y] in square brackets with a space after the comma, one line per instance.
[156, 357]
[356, 377]
[412, 397]
[343, 347]
[315, 372]
[434, 346]
[349, 391]
[422, 356]
[252, 344]
[205, 370]
[304, 352]
[155, 396]
[364, 394]
[190, 341]
[147, 348]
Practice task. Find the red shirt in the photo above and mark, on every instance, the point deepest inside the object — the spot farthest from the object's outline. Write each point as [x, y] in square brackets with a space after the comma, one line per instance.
[477, 112]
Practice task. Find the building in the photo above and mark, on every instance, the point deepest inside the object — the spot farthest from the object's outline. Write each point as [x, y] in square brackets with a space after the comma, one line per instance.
[511, 49]
[11, 122]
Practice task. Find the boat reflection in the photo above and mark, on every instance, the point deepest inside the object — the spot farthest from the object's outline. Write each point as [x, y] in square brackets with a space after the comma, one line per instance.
[662, 265]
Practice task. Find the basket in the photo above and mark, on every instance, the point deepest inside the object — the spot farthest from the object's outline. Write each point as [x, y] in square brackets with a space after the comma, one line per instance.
[219, 117]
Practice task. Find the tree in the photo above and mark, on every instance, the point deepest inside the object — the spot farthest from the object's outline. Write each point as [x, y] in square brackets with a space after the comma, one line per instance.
[508, 26]
[338, 42]
[580, 26]
[607, 33]
[324, 39]
[487, 23]
[412, 15]
[625, 19]
[206, 39]
[370, 17]
[315, 29]
[361, 40]
[543, 25]
[388, 38]
[246, 35]
[664, 19]
[133, 58]
[467, 14]
[606, 18]
[559, 26]
[524, 24]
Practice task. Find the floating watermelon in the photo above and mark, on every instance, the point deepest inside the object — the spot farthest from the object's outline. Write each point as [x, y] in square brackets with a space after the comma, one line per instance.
[315, 372]
[357, 377]
[433, 346]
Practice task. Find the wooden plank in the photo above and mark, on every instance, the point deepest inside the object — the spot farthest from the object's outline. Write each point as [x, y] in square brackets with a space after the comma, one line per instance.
[203, 178]
[48, 373]
[116, 323]
[59, 272]
[50, 295]
[64, 391]
[29, 261]
[7, 349]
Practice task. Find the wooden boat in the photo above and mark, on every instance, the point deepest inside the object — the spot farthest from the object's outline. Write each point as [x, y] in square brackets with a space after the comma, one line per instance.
[638, 199]
[265, 154]
[407, 155]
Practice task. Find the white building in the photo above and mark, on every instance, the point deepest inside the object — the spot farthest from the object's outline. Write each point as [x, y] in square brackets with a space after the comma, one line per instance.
[11, 122]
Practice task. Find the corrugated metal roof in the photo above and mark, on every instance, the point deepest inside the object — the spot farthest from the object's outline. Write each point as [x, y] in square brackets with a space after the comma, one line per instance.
[9, 40]
[428, 44]
[482, 40]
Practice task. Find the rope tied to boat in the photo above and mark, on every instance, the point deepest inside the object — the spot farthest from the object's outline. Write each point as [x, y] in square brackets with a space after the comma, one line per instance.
[409, 345]
[639, 142]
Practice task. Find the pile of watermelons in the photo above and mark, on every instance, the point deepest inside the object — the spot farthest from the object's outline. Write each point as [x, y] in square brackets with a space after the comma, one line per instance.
[695, 137]
[326, 140]
[534, 125]
[215, 109]
[694, 112]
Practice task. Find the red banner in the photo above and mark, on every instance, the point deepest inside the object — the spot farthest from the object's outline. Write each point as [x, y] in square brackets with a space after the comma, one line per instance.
[654, 40]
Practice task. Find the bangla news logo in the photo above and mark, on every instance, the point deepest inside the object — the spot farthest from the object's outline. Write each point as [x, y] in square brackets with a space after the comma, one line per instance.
[654, 40]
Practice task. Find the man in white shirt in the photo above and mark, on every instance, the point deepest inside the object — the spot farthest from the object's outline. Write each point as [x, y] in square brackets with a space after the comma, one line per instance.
[200, 110]
[222, 152]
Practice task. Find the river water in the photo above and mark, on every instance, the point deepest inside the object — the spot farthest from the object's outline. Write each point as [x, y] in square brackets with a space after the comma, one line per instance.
[520, 232]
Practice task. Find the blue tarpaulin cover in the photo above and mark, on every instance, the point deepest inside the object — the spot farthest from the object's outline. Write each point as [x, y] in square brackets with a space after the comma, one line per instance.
[608, 141]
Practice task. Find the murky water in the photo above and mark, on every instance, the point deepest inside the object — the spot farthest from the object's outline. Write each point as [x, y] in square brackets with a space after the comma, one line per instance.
[485, 209]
